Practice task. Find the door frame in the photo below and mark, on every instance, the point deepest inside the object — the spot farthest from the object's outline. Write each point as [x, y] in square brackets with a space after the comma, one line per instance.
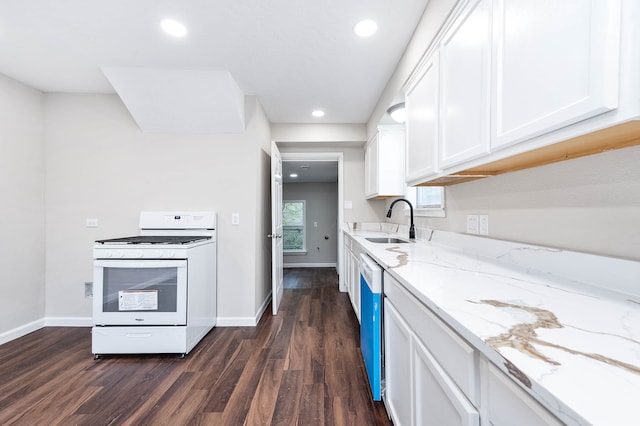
[339, 158]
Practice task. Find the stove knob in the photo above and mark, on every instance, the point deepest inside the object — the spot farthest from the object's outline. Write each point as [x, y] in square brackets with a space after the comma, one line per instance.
[108, 254]
[170, 253]
[138, 254]
[118, 253]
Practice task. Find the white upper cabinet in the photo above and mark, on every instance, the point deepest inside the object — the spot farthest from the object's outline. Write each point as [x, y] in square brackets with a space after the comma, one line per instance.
[504, 78]
[554, 63]
[384, 163]
[464, 85]
[422, 104]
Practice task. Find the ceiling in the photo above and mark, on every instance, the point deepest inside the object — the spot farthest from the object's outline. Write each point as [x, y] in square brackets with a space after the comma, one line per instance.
[310, 171]
[295, 56]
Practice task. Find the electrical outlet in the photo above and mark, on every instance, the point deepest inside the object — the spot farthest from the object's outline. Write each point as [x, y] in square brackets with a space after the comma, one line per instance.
[235, 218]
[483, 224]
[88, 289]
[472, 224]
[91, 223]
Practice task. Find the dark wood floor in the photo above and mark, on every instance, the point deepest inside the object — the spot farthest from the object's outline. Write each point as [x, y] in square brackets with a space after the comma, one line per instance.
[302, 366]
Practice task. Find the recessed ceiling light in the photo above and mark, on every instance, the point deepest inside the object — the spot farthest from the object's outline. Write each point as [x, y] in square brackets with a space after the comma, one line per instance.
[365, 28]
[293, 175]
[318, 113]
[174, 28]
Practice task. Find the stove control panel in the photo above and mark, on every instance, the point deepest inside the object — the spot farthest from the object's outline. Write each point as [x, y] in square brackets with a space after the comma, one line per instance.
[138, 254]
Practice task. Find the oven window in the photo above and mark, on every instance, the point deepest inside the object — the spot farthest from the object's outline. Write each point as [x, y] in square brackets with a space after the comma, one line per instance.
[140, 289]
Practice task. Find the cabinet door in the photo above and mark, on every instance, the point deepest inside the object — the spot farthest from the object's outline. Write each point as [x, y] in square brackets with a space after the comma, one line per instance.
[422, 105]
[348, 271]
[371, 159]
[437, 399]
[505, 404]
[355, 283]
[397, 363]
[464, 85]
[555, 63]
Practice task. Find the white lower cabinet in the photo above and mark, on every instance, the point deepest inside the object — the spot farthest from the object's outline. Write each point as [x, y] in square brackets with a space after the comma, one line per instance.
[354, 294]
[351, 273]
[397, 345]
[505, 404]
[419, 391]
[438, 401]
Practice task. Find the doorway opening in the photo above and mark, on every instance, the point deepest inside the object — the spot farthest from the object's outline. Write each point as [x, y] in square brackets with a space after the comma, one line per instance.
[316, 185]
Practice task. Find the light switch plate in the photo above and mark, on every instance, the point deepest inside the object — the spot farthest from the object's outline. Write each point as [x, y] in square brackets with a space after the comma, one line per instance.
[472, 224]
[483, 224]
[235, 218]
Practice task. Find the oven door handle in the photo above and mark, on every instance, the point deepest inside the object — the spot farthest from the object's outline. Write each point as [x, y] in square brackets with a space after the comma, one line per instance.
[132, 263]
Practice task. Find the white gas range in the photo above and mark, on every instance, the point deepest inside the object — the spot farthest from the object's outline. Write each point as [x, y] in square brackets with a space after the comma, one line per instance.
[156, 292]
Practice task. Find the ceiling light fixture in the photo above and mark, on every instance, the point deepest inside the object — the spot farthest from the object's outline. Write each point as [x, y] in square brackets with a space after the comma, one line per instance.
[365, 28]
[318, 113]
[398, 113]
[293, 175]
[173, 28]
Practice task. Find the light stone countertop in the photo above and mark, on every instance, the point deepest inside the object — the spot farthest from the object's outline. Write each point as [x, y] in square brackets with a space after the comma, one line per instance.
[566, 323]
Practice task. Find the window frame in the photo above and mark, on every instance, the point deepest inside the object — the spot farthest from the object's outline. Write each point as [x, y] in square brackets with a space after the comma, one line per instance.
[426, 211]
[303, 227]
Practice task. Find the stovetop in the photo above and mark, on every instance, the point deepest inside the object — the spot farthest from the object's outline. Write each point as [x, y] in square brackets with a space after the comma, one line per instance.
[156, 239]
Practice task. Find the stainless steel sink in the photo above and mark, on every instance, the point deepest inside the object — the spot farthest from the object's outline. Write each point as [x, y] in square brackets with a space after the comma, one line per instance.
[385, 240]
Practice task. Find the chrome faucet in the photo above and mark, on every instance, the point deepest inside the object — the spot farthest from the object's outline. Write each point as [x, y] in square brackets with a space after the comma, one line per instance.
[412, 229]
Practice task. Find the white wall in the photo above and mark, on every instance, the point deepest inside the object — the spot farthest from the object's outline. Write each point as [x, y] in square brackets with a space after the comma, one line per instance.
[322, 208]
[22, 172]
[100, 165]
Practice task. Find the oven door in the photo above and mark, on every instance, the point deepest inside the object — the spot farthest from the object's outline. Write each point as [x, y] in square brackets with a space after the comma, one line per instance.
[140, 292]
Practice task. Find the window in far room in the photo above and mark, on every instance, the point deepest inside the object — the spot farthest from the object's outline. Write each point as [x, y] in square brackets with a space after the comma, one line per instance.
[293, 226]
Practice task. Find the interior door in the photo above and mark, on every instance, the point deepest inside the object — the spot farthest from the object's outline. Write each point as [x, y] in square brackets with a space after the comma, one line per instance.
[277, 286]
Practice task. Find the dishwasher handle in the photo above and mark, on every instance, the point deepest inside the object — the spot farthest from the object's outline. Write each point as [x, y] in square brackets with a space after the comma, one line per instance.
[371, 272]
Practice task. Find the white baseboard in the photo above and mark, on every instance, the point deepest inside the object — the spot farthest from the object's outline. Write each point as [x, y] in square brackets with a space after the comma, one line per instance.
[236, 322]
[309, 265]
[23, 330]
[263, 308]
[68, 322]
[244, 321]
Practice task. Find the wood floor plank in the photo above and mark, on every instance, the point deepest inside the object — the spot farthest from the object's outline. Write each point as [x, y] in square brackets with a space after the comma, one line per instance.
[222, 389]
[236, 410]
[311, 410]
[288, 401]
[264, 401]
[302, 366]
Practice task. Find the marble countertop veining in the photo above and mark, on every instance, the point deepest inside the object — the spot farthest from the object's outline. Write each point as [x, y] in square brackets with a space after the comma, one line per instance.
[574, 345]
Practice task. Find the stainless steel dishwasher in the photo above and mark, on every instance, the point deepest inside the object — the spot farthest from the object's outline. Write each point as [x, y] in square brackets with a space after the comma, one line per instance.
[371, 322]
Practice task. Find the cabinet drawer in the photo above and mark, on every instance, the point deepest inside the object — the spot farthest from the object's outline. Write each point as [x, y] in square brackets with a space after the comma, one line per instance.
[457, 357]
